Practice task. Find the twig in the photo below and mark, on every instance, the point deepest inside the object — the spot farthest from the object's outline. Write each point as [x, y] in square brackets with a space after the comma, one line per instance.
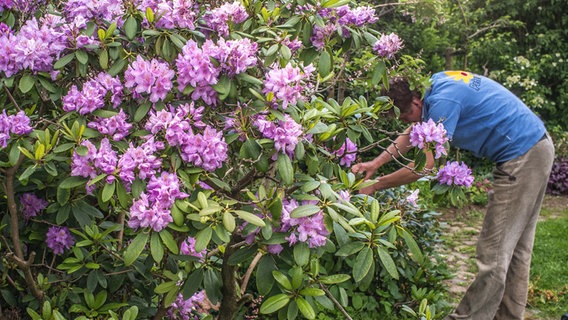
[337, 304]
[249, 272]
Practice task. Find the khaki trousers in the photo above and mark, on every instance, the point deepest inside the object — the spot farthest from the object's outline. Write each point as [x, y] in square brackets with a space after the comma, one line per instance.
[505, 243]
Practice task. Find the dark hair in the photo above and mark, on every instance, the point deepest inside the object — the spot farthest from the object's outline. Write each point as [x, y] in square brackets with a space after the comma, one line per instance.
[400, 93]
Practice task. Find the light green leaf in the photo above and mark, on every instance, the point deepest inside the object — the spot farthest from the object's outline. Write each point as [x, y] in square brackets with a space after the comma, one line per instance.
[324, 65]
[387, 262]
[250, 218]
[64, 61]
[305, 308]
[301, 254]
[305, 211]
[108, 191]
[285, 169]
[282, 279]
[274, 303]
[156, 248]
[202, 239]
[362, 264]
[135, 248]
[334, 278]
[169, 241]
[27, 82]
[130, 27]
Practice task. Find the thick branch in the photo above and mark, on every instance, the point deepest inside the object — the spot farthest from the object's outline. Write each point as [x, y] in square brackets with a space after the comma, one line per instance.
[15, 233]
[249, 272]
[230, 302]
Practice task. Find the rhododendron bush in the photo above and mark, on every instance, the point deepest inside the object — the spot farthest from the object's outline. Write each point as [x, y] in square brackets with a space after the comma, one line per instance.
[187, 159]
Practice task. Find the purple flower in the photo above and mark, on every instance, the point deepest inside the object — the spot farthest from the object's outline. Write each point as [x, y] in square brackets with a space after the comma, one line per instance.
[16, 124]
[306, 229]
[93, 94]
[424, 134]
[194, 67]
[145, 213]
[234, 56]
[287, 84]
[293, 45]
[99, 10]
[218, 19]
[153, 208]
[321, 35]
[388, 45]
[32, 205]
[115, 126]
[172, 14]
[140, 160]
[208, 150]
[58, 239]
[413, 197]
[188, 248]
[149, 77]
[347, 153]
[183, 308]
[95, 162]
[455, 173]
[285, 133]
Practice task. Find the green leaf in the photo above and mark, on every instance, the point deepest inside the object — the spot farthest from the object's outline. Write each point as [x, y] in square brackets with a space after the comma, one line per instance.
[116, 67]
[229, 221]
[82, 56]
[72, 182]
[285, 168]
[264, 278]
[324, 65]
[202, 239]
[250, 218]
[192, 283]
[304, 211]
[350, 248]
[135, 248]
[169, 241]
[250, 150]
[108, 191]
[362, 264]
[165, 287]
[142, 111]
[312, 292]
[64, 61]
[103, 59]
[412, 246]
[334, 278]
[282, 279]
[274, 303]
[387, 262]
[305, 308]
[26, 83]
[301, 254]
[63, 195]
[378, 72]
[156, 248]
[130, 27]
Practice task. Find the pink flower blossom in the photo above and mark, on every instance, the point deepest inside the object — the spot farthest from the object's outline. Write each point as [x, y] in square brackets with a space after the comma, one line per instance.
[424, 134]
[455, 173]
[58, 239]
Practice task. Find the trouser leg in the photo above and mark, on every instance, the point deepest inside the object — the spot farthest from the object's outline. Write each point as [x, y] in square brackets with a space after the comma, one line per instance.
[509, 222]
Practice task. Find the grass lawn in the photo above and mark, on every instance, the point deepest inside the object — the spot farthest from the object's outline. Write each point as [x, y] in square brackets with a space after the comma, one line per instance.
[549, 267]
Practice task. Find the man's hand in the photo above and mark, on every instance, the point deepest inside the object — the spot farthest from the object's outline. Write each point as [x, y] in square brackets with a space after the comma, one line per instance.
[365, 167]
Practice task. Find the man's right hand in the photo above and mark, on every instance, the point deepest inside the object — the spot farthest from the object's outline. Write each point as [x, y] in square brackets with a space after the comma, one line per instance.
[368, 168]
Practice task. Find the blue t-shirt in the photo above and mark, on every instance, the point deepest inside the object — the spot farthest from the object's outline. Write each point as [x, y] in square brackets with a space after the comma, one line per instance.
[481, 116]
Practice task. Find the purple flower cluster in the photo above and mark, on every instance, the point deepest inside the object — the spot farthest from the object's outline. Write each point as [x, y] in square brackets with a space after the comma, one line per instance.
[153, 207]
[194, 67]
[93, 94]
[140, 159]
[321, 35]
[188, 248]
[293, 45]
[58, 239]
[285, 133]
[358, 17]
[412, 198]
[340, 19]
[171, 14]
[115, 126]
[306, 229]
[99, 10]
[18, 124]
[287, 84]
[218, 19]
[183, 308]
[150, 77]
[455, 173]
[32, 205]
[95, 162]
[347, 153]
[234, 56]
[33, 48]
[207, 150]
[424, 134]
[388, 45]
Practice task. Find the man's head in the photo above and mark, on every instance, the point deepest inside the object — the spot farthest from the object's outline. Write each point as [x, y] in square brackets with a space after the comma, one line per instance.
[408, 101]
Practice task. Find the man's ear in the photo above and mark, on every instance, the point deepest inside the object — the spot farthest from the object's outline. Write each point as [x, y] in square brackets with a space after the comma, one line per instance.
[417, 102]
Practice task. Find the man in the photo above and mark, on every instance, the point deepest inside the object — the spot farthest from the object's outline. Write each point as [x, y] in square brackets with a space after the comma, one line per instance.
[483, 117]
